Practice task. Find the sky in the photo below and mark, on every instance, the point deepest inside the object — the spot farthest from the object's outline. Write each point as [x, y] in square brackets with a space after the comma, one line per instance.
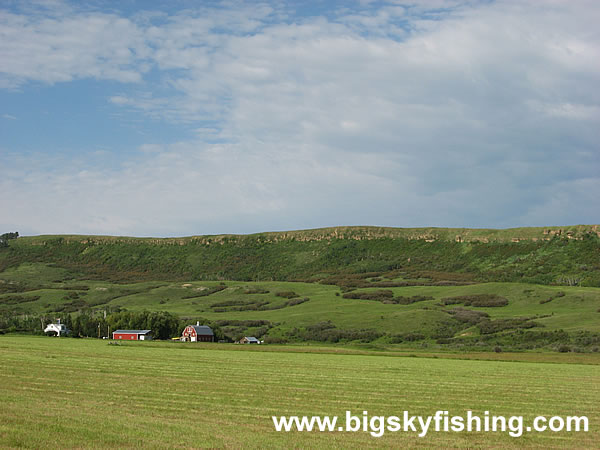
[177, 118]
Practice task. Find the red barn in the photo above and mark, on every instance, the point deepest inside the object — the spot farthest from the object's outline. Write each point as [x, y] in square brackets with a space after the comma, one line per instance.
[198, 333]
[132, 335]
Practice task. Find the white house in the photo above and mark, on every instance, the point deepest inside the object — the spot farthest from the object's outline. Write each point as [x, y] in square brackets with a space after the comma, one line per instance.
[56, 328]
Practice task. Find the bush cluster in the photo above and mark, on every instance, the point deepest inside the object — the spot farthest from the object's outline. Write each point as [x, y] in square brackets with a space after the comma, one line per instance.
[16, 299]
[255, 290]
[255, 305]
[328, 332]
[370, 295]
[286, 294]
[468, 315]
[495, 326]
[206, 292]
[477, 300]
[239, 305]
[72, 306]
[549, 299]
[401, 300]
[243, 323]
[387, 297]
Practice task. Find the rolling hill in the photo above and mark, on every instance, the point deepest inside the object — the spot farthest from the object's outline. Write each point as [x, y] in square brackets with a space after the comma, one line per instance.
[521, 288]
[553, 255]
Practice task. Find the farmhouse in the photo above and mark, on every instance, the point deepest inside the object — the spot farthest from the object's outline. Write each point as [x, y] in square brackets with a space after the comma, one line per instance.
[56, 328]
[249, 340]
[133, 335]
[197, 333]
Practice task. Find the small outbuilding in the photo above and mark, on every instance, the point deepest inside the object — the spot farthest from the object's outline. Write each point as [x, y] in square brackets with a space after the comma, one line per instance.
[56, 329]
[197, 333]
[133, 335]
[249, 340]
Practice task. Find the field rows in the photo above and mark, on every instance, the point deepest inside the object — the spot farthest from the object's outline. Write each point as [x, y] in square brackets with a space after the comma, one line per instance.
[87, 393]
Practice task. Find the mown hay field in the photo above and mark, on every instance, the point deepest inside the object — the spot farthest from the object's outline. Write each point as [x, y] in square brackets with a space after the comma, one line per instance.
[86, 393]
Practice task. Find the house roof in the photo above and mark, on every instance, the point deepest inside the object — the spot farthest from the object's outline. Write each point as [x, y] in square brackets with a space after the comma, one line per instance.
[251, 338]
[203, 330]
[132, 331]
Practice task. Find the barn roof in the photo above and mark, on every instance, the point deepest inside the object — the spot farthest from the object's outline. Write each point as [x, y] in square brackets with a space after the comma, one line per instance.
[203, 330]
[133, 331]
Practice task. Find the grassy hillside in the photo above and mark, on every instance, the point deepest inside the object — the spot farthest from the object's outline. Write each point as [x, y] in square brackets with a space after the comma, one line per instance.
[561, 256]
[385, 287]
[510, 315]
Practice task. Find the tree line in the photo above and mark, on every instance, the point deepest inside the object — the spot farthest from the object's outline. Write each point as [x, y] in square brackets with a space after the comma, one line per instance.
[163, 324]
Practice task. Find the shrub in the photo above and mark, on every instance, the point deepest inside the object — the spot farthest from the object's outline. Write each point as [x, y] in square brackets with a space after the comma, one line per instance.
[411, 337]
[234, 302]
[15, 299]
[286, 294]
[487, 326]
[296, 301]
[255, 290]
[72, 306]
[205, 292]
[409, 300]
[396, 339]
[327, 332]
[477, 300]
[468, 315]
[372, 295]
[275, 340]
[387, 297]
[244, 323]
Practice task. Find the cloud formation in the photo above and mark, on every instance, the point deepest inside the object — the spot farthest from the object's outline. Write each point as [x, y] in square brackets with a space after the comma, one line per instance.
[447, 114]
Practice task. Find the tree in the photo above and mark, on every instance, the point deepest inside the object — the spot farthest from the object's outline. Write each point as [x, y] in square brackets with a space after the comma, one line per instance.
[4, 238]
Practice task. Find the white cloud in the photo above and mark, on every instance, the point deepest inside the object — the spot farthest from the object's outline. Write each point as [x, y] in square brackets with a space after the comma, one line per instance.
[73, 46]
[567, 110]
[484, 116]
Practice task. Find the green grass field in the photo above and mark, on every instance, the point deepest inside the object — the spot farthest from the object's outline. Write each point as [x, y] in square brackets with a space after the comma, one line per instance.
[48, 291]
[87, 393]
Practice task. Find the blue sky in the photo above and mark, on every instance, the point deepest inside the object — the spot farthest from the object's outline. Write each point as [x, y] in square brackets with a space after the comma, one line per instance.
[171, 118]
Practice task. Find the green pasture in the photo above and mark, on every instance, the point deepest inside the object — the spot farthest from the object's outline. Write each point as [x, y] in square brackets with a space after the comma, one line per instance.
[86, 393]
[569, 308]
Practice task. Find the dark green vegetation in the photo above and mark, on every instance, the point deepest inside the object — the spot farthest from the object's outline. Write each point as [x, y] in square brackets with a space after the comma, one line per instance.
[436, 288]
[83, 393]
[4, 238]
[567, 255]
